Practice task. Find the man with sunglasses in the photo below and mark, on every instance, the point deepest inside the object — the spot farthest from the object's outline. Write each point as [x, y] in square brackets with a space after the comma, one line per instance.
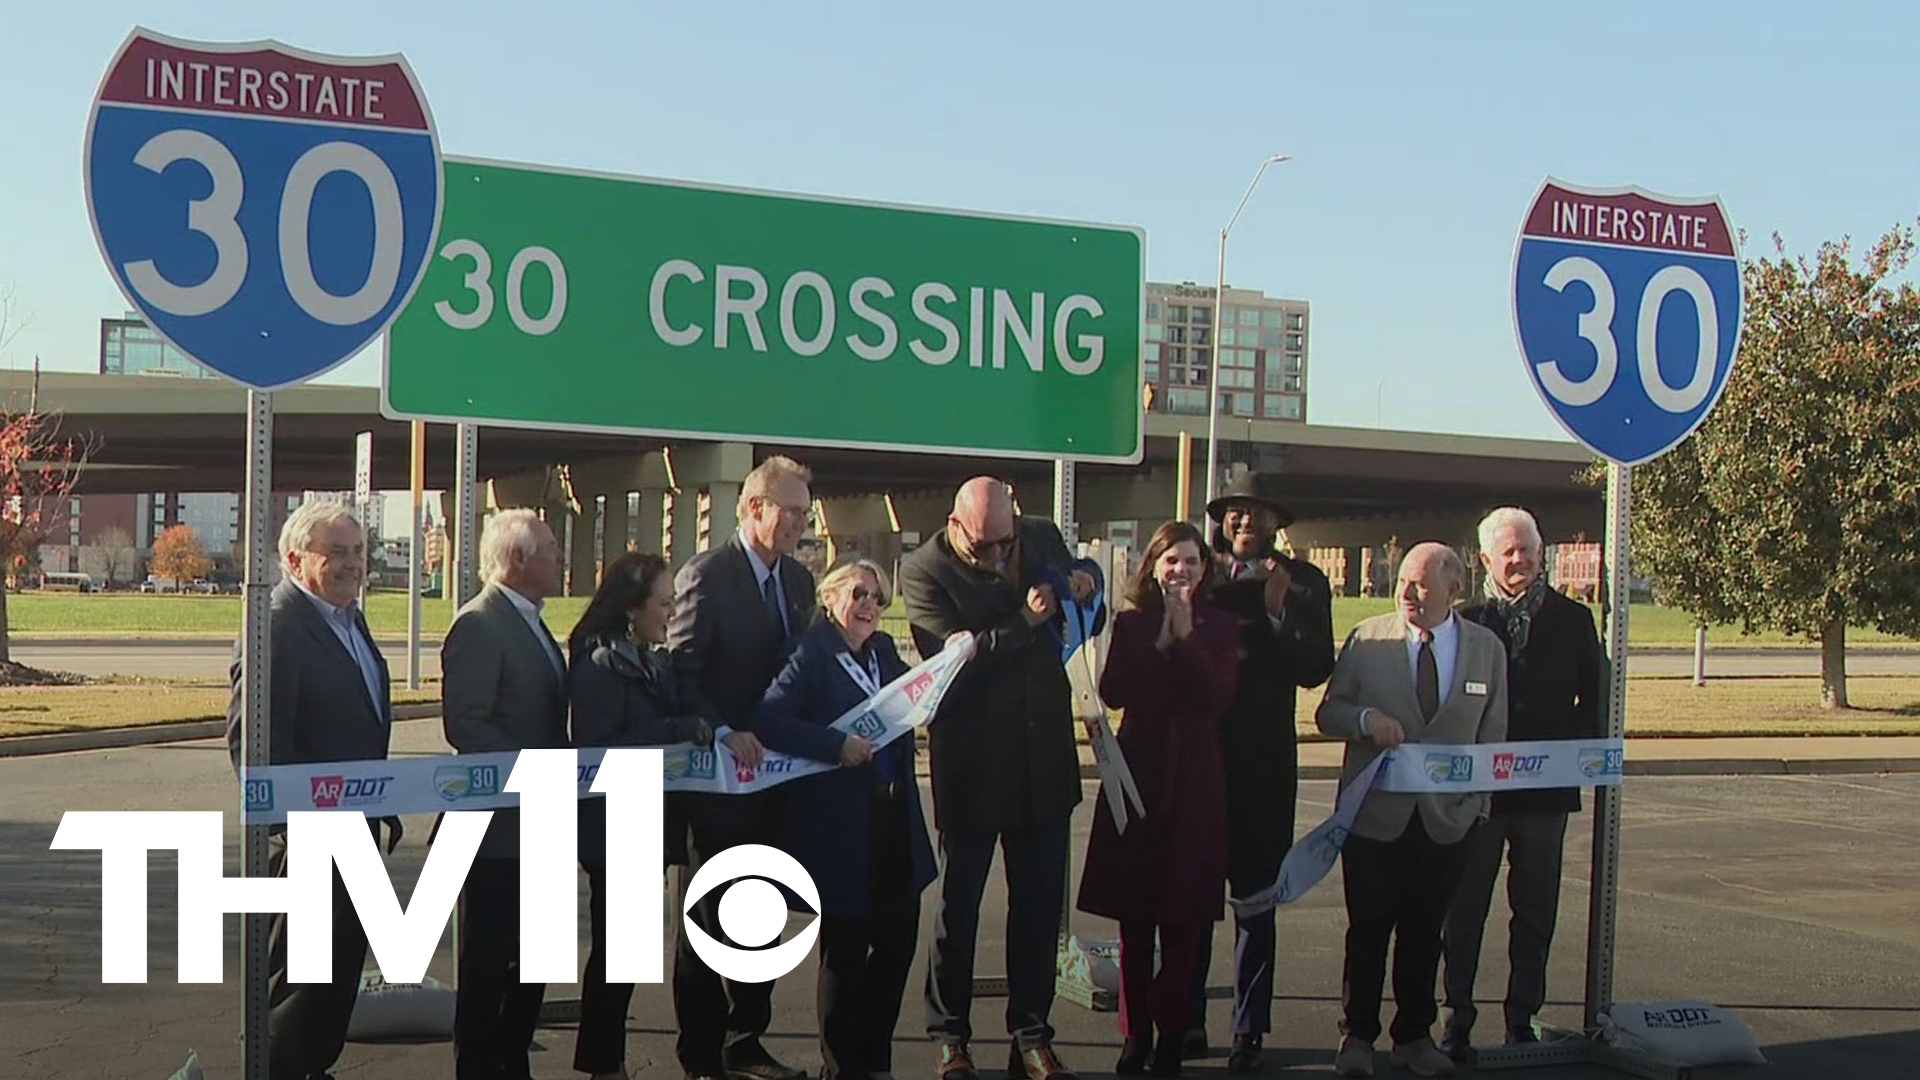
[1004, 766]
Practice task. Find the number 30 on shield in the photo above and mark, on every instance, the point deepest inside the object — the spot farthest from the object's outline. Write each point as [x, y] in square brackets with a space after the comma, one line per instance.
[1596, 328]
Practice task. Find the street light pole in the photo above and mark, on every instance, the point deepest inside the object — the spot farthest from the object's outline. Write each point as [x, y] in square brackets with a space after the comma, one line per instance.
[1213, 367]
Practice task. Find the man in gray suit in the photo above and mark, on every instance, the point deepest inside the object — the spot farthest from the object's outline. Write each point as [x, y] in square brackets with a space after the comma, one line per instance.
[503, 688]
[327, 702]
[1419, 675]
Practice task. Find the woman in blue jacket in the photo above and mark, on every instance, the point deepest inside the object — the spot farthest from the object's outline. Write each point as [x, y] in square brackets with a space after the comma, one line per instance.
[858, 829]
[621, 686]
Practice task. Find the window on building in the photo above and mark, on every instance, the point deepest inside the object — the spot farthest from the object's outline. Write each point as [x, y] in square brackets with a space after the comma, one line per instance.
[1202, 335]
[1226, 335]
[1296, 321]
[1294, 362]
[1150, 351]
[1237, 404]
[1176, 313]
[1291, 384]
[1289, 408]
[1153, 310]
[1152, 370]
[1175, 354]
[1249, 316]
[1177, 334]
[1272, 381]
[1296, 341]
[1156, 332]
[1187, 401]
[1270, 406]
[1197, 376]
[1200, 315]
[1242, 378]
[1271, 318]
[1270, 339]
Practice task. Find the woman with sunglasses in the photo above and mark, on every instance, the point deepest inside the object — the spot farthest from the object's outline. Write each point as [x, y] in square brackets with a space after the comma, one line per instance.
[858, 829]
[622, 690]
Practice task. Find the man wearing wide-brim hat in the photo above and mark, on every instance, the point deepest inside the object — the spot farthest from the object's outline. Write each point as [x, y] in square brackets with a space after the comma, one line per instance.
[1285, 609]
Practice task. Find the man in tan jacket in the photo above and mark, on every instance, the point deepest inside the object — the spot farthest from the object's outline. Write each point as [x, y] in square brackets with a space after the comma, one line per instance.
[1418, 675]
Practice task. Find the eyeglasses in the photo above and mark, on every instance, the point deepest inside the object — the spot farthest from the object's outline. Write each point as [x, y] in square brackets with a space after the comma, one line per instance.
[1004, 543]
[339, 551]
[861, 592]
[802, 512]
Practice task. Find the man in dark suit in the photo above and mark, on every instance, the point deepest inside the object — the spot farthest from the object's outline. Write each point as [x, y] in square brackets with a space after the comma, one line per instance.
[503, 682]
[1553, 692]
[1285, 608]
[1005, 769]
[735, 608]
[328, 701]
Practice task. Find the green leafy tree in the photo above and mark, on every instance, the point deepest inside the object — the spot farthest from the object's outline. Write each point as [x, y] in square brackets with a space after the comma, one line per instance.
[1796, 506]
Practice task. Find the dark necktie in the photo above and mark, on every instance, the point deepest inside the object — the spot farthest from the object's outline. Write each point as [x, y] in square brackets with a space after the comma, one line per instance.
[776, 610]
[1426, 683]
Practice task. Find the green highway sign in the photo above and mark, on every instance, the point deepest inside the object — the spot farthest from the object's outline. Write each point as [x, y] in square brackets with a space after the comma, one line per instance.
[593, 302]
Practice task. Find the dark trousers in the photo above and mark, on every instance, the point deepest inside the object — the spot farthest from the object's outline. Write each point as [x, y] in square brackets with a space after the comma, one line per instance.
[1250, 868]
[601, 1046]
[1150, 999]
[1533, 845]
[864, 959]
[307, 1022]
[1036, 869]
[1399, 889]
[719, 1019]
[494, 1012]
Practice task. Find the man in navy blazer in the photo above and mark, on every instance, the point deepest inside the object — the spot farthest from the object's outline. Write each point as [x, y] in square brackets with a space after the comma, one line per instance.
[327, 701]
[735, 608]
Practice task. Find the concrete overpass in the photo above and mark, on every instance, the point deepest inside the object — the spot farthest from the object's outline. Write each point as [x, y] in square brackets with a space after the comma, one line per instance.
[1350, 487]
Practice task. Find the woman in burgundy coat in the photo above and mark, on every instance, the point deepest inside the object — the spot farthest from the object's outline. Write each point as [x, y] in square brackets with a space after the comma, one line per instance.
[1171, 665]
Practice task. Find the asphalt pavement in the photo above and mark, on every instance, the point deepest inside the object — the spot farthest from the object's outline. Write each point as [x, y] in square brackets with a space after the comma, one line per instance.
[204, 659]
[1793, 900]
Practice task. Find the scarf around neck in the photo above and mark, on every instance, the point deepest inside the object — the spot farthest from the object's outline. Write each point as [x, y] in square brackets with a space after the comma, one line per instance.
[1518, 611]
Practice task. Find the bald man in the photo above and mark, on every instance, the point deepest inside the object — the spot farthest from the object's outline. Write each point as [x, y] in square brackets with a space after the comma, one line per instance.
[1420, 674]
[1005, 770]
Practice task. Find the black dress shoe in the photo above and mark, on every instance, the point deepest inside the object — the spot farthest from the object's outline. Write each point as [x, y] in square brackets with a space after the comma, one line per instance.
[1246, 1055]
[956, 1063]
[1522, 1033]
[1134, 1056]
[1458, 1045]
[1194, 1046]
[757, 1064]
[1166, 1058]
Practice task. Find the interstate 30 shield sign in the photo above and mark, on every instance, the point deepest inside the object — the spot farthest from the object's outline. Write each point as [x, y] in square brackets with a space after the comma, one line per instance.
[268, 210]
[1627, 305]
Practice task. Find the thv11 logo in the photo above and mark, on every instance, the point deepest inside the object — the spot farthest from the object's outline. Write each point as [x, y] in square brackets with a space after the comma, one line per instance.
[402, 940]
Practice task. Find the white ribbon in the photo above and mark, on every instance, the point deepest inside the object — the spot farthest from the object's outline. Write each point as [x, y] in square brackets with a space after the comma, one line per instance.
[1427, 769]
[476, 781]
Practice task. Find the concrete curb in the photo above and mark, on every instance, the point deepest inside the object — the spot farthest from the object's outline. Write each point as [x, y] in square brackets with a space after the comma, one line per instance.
[66, 742]
[1693, 767]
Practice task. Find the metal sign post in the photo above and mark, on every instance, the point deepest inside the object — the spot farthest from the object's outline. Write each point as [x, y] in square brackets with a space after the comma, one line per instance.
[363, 498]
[255, 690]
[463, 584]
[416, 554]
[1603, 901]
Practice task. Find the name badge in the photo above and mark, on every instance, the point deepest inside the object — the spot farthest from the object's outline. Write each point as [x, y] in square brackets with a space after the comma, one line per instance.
[1478, 689]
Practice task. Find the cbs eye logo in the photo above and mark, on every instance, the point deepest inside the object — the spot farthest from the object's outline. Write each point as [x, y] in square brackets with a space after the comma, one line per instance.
[751, 912]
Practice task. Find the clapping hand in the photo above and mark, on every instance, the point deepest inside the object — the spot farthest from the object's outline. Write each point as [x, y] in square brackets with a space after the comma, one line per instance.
[1179, 622]
[1277, 585]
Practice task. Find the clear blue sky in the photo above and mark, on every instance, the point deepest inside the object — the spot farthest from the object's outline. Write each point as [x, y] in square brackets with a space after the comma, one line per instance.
[1420, 133]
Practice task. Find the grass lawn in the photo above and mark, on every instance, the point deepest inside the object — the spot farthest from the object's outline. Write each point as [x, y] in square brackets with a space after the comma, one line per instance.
[36, 710]
[131, 614]
[1673, 706]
